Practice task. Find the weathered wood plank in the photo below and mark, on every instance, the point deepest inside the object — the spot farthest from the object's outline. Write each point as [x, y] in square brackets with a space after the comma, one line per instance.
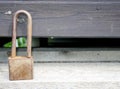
[67, 54]
[65, 18]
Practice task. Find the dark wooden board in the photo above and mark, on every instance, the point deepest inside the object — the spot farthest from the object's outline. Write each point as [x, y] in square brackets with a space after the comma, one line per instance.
[64, 18]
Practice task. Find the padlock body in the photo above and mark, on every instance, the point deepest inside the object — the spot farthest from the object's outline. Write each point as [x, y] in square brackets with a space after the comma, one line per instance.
[20, 68]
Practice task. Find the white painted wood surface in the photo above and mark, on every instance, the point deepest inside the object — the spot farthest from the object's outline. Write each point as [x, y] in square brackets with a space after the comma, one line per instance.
[66, 76]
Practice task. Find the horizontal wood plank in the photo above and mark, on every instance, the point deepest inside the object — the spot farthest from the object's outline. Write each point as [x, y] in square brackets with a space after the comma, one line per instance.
[64, 18]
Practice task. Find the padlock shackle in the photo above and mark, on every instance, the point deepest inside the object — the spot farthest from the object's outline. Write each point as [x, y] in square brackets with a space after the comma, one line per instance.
[29, 32]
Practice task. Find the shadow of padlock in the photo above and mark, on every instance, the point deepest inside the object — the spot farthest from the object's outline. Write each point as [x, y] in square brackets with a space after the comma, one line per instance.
[21, 67]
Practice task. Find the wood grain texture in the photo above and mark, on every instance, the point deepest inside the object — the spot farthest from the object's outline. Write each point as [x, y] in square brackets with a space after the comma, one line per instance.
[65, 18]
[20, 68]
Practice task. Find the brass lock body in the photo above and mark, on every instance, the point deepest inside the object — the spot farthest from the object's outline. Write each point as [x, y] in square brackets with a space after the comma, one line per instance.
[21, 67]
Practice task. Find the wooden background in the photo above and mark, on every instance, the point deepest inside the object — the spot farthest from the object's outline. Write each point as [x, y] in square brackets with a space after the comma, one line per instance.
[64, 18]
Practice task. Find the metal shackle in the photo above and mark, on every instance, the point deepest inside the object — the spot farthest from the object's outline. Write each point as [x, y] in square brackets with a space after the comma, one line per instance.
[29, 32]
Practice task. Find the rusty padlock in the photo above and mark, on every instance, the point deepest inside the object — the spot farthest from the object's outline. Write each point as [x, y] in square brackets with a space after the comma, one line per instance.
[21, 67]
